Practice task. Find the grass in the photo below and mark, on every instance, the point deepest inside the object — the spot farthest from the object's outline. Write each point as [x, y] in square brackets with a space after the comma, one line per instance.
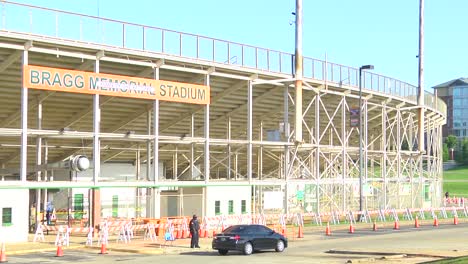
[456, 181]
[451, 260]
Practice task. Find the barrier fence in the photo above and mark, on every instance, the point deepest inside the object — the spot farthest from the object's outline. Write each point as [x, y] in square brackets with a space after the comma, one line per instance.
[67, 216]
[169, 229]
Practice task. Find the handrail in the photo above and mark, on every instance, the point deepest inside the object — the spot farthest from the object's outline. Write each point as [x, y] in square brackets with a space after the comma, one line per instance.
[97, 30]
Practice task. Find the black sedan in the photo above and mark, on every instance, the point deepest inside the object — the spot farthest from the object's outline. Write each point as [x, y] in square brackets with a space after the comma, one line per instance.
[248, 238]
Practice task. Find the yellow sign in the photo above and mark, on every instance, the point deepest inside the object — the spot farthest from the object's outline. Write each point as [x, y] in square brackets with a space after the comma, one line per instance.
[63, 80]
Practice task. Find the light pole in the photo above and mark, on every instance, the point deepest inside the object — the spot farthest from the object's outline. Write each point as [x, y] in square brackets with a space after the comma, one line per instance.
[364, 67]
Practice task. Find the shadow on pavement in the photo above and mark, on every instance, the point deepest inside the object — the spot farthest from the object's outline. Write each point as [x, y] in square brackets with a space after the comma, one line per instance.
[201, 253]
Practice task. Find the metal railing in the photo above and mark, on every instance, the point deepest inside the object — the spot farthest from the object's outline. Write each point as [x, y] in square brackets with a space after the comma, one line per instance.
[41, 21]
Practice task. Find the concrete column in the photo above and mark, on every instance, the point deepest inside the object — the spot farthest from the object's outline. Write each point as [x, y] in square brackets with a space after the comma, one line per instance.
[24, 123]
[96, 197]
[207, 137]
[156, 199]
[249, 130]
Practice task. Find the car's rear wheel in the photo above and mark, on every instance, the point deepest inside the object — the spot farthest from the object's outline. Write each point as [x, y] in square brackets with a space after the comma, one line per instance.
[279, 246]
[248, 249]
[223, 251]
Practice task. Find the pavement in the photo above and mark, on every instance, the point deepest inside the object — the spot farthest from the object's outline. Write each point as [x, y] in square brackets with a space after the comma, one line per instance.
[312, 234]
[135, 245]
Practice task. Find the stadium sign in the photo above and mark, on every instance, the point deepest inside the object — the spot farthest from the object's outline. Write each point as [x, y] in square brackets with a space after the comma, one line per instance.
[64, 80]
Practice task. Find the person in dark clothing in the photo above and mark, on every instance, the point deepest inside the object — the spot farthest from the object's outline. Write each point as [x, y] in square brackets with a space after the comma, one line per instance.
[49, 212]
[446, 195]
[194, 227]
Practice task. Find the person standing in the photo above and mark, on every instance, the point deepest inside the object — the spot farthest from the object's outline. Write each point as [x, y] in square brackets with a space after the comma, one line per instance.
[49, 212]
[32, 218]
[194, 227]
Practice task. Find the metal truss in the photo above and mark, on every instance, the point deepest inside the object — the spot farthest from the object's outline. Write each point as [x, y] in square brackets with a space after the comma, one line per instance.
[245, 137]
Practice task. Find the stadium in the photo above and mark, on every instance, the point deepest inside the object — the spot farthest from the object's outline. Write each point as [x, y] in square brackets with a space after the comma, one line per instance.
[175, 124]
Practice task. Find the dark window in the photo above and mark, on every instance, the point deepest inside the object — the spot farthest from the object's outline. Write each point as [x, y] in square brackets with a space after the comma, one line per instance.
[427, 189]
[6, 216]
[115, 206]
[217, 207]
[231, 207]
[78, 206]
[244, 206]
[237, 229]
[262, 229]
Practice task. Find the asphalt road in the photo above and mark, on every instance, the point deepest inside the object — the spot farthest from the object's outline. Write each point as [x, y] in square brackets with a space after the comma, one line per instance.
[407, 245]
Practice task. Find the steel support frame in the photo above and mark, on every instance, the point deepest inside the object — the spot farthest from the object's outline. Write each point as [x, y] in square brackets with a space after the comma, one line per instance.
[397, 155]
[324, 122]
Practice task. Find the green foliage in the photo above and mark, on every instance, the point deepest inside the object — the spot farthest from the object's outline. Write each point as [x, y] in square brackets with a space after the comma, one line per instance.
[462, 154]
[451, 141]
[445, 153]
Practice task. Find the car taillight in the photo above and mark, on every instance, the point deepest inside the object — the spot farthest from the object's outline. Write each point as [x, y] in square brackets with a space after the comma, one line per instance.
[236, 237]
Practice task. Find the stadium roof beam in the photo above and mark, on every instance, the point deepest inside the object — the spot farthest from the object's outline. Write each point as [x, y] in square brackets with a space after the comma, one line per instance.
[78, 116]
[33, 102]
[194, 109]
[89, 109]
[215, 98]
[10, 60]
[244, 106]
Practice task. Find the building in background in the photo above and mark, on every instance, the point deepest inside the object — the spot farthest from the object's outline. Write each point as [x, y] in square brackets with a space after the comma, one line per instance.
[455, 95]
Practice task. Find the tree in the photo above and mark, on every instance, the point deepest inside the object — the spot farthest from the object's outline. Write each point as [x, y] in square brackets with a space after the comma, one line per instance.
[452, 142]
[445, 153]
[462, 154]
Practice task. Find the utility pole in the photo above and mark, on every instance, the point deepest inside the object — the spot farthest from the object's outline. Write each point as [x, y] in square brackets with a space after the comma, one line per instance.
[298, 74]
[421, 78]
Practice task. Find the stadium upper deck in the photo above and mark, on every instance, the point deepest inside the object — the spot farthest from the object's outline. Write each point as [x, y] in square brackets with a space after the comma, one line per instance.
[242, 135]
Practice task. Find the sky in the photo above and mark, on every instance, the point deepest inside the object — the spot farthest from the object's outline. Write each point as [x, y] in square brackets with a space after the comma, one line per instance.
[352, 33]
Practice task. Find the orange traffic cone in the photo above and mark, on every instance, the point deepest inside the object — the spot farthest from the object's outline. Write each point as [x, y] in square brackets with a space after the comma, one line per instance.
[205, 233]
[436, 222]
[455, 220]
[374, 227]
[283, 231]
[328, 230]
[416, 222]
[300, 233]
[396, 226]
[214, 233]
[59, 250]
[103, 249]
[3, 254]
[351, 228]
[178, 234]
